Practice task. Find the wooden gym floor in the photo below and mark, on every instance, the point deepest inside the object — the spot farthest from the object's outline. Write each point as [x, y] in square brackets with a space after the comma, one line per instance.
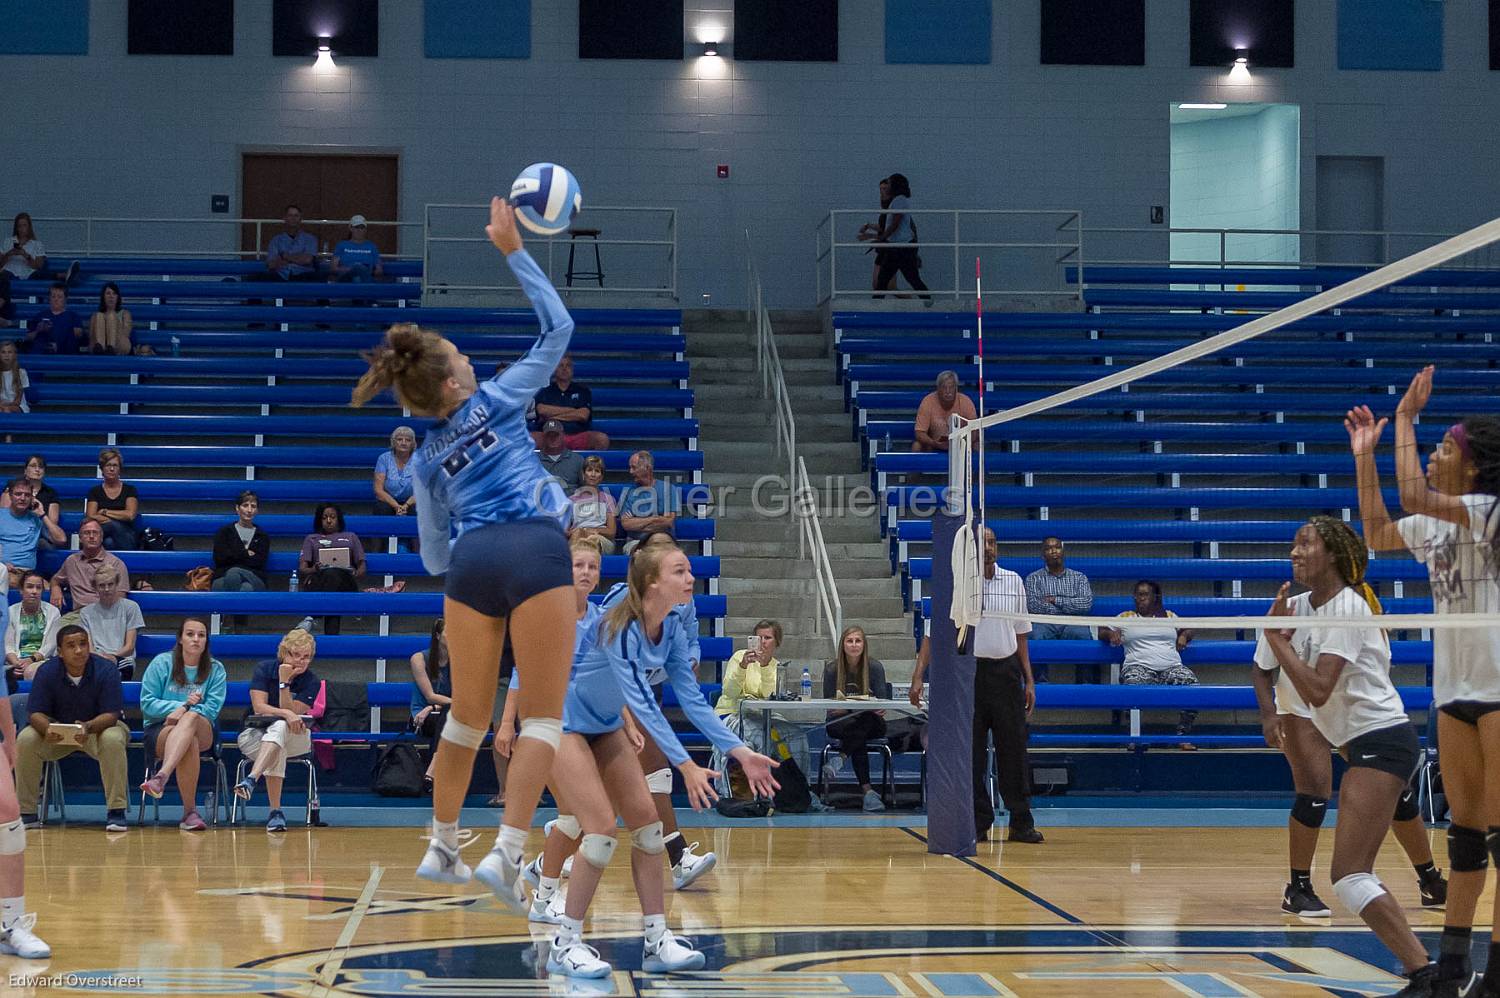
[828, 911]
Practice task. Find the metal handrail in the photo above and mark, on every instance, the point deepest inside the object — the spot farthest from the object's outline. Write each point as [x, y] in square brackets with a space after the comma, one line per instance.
[810, 544]
[90, 221]
[1224, 235]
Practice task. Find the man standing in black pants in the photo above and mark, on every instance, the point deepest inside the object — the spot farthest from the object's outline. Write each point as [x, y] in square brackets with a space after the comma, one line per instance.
[1004, 694]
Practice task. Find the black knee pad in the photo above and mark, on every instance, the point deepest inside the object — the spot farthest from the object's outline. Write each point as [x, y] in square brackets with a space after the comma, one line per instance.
[1309, 810]
[1493, 841]
[1406, 806]
[1466, 849]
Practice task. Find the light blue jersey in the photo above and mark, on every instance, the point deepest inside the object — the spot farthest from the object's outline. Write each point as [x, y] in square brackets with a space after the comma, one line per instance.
[688, 614]
[479, 465]
[613, 675]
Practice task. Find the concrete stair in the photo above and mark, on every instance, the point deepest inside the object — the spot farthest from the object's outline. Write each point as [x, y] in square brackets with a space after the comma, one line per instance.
[757, 536]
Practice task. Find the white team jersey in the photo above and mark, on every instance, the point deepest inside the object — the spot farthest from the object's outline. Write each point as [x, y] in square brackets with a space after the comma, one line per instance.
[1462, 567]
[1363, 699]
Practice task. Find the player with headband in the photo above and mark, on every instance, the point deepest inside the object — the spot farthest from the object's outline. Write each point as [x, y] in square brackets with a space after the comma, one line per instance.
[507, 569]
[1344, 676]
[1453, 528]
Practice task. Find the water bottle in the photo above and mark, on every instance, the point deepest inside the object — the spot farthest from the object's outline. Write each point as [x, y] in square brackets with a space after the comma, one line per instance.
[806, 685]
[291, 586]
[176, 346]
[887, 446]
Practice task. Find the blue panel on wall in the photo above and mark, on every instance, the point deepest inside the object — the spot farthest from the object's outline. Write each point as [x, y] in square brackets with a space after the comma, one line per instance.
[477, 29]
[1390, 34]
[57, 27]
[937, 31]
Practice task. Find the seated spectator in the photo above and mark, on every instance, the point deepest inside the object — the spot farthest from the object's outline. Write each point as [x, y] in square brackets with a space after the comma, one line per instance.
[80, 569]
[14, 382]
[24, 258]
[393, 491]
[649, 505]
[854, 674]
[21, 529]
[181, 714]
[932, 423]
[557, 460]
[114, 505]
[752, 673]
[30, 632]
[292, 254]
[240, 553]
[593, 508]
[74, 687]
[286, 690]
[571, 404]
[1057, 590]
[1153, 655]
[56, 328]
[431, 696]
[357, 258]
[35, 471]
[332, 561]
[109, 328]
[113, 621]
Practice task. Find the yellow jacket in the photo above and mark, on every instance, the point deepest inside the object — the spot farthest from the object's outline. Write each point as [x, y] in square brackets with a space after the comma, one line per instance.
[754, 681]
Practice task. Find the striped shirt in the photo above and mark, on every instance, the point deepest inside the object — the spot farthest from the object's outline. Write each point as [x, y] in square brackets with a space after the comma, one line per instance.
[995, 637]
[1074, 594]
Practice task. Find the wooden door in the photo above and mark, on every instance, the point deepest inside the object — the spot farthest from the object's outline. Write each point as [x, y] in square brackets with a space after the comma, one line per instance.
[323, 185]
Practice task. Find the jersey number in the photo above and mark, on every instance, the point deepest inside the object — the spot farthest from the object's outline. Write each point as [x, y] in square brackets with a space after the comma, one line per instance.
[480, 441]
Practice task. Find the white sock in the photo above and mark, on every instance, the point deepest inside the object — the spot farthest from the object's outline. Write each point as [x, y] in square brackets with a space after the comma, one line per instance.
[656, 927]
[11, 909]
[569, 930]
[512, 842]
[546, 887]
[445, 832]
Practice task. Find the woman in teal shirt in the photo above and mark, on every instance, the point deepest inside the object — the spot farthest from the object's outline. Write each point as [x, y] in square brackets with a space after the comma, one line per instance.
[182, 713]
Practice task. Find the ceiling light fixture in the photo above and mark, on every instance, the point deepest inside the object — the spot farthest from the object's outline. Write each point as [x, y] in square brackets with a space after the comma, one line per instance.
[710, 48]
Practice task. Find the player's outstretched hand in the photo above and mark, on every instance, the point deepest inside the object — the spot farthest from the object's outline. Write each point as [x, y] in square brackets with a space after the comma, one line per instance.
[1364, 430]
[1417, 393]
[700, 785]
[757, 769]
[502, 228]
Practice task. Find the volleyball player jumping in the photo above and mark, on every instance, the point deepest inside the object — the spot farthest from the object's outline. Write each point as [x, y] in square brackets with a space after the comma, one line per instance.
[1288, 724]
[1454, 529]
[1343, 674]
[508, 568]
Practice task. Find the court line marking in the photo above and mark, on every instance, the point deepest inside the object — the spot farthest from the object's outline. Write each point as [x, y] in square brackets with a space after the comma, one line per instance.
[335, 961]
[1034, 898]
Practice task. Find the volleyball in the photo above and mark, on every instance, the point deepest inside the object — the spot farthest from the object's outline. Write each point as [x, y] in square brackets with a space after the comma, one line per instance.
[546, 197]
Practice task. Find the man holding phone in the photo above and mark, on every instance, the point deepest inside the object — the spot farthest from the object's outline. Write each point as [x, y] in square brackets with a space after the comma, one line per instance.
[75, 705]
[21, 530]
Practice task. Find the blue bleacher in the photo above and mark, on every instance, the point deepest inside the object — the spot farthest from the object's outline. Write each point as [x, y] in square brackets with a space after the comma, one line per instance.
[211, 396]
[286, 490]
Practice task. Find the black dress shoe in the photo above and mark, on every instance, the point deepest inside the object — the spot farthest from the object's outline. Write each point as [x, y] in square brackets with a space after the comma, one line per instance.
[1031, 836]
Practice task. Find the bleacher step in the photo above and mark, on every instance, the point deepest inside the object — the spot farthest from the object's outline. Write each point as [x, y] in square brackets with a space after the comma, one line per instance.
[836, 551]
[783, 568]
[897, 627]
[804, 587]
[855, 607]
[776, 530]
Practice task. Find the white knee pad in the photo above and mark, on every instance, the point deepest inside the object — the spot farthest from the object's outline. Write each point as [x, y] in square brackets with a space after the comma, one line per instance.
[13, 838]
[567, 826]
[1358, 890]
[597, 850]
[648, 839]
[459, 733]
[543, 729]
[659, 781]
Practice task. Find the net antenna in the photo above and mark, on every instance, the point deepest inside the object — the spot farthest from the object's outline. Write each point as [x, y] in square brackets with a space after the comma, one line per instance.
[968, 589]
[965, 434]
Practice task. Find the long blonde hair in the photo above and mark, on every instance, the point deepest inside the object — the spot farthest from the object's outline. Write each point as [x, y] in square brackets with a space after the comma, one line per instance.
[645, 568]
[410, 360]
[844, 667]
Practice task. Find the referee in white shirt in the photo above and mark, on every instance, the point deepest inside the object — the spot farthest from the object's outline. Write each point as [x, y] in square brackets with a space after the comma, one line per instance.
[1004, 693]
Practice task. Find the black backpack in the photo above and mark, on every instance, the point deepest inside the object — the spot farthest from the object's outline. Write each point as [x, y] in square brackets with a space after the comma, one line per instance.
[398, 771]
[795, 795]
[730, 807]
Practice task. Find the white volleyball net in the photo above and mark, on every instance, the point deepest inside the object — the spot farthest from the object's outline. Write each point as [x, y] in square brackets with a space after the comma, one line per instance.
[1188, 475]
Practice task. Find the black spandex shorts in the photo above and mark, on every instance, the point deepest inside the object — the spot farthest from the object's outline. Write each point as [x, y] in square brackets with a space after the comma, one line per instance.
[497, 567]
[1468, 711]
[1395, 750]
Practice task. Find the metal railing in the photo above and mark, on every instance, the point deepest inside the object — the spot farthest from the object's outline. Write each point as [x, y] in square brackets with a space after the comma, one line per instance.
[1028, 249]
[196, 238]
[1237, 247]
[457, 258]
[804, 505]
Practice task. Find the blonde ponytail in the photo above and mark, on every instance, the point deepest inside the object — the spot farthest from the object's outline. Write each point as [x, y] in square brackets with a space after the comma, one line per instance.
[412, 361]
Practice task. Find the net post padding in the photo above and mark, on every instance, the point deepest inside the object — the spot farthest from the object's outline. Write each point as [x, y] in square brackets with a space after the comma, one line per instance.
[950, 728]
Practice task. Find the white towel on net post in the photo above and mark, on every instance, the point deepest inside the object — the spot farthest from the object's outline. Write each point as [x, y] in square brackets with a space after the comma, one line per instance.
[965, 608]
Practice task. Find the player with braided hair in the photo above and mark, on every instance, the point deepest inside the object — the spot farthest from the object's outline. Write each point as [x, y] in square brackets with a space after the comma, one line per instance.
[1343, 674]
[1452, 527]
[1287, 722]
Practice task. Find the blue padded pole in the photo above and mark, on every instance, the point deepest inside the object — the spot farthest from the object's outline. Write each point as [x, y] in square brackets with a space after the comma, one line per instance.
[950, 727]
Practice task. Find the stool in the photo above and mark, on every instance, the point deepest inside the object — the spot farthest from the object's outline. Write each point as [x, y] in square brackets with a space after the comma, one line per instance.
[214, 759]
[584, 275]
[52, 793]
[237, 806]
